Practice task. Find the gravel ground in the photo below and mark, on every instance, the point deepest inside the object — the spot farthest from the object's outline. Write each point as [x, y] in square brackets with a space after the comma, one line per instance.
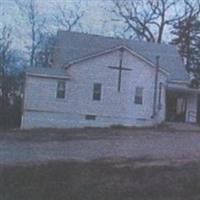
[147, 145]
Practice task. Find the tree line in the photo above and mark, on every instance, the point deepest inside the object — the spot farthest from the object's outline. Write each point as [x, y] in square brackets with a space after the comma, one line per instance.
[175, 22]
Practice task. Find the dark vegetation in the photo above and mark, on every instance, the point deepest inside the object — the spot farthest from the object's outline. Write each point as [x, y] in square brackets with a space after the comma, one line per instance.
[99, 180]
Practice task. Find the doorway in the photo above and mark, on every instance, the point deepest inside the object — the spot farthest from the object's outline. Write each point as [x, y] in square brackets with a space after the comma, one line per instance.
[176, 106]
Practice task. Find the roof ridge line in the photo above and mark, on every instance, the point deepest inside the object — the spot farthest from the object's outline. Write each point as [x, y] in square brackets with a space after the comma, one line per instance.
[114, 38]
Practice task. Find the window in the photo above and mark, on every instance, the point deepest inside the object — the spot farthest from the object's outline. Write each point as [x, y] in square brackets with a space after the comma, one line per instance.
[90, 117]
[160, 96]
[60, 90]
[97, 92]
[139, 95]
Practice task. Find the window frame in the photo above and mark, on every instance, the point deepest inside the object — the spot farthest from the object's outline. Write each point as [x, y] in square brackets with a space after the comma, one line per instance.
[138, 99]
[60, 94]
[94, 97]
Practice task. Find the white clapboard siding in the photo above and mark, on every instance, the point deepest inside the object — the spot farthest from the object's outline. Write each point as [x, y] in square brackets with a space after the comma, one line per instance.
[42, 109]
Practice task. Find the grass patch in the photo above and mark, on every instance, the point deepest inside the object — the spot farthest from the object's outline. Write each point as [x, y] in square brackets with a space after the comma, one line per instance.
[100, 181]
[53, 134]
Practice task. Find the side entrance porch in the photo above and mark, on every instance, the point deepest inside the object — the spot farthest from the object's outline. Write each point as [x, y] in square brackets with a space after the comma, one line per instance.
[182, 104]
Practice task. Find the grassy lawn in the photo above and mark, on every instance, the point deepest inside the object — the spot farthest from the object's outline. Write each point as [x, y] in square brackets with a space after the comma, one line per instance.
[78, 133]
[99, 180]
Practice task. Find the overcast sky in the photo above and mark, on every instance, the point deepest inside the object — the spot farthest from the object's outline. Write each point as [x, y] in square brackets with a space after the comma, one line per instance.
[92, 22]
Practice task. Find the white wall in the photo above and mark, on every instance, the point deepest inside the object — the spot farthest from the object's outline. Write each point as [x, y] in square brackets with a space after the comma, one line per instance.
[191, 115]
[42, 109]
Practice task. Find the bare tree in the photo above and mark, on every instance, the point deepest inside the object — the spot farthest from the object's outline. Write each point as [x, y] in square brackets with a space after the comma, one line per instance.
[186, 34]
[68, 17]
[5, 42]
[146, 19]
[44, 56]
[36, 22]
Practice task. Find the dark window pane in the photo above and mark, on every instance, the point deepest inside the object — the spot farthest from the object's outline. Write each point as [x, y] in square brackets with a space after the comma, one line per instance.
[60, 94]
[138, 100]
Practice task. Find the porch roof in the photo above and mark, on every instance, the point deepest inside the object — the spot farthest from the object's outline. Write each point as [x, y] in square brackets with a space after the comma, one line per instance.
[182, 87]
[48, 72]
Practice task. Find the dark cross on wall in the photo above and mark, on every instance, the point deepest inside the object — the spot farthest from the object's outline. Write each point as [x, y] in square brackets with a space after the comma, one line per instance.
[120, 68]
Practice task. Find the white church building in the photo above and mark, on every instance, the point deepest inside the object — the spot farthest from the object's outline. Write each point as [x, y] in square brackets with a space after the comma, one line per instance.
[102, 81]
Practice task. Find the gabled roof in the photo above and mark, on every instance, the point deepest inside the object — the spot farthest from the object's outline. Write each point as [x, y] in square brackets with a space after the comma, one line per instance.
[67, 65]
[73, 45]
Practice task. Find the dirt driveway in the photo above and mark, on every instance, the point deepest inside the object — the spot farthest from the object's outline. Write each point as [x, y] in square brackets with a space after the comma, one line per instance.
[153, 145]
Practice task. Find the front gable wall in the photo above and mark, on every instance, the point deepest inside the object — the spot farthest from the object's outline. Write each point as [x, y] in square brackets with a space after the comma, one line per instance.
[114, 103]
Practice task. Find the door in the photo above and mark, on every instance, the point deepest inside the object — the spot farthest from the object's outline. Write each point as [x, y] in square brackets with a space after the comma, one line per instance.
[181, 107]
[176, 106]
[198, 110]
